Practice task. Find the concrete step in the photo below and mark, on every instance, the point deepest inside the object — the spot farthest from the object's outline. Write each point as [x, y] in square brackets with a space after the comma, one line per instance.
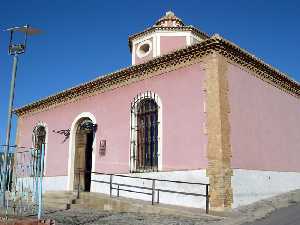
[66, 200]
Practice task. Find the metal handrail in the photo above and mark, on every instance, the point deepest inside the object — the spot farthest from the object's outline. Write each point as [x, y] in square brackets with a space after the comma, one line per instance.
[153, 189]
[17, 149]
[16, 146]
[145, 178]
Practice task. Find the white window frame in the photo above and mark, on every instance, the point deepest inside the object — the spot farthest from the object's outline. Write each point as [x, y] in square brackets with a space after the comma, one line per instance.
[72, 148]
[133, 133]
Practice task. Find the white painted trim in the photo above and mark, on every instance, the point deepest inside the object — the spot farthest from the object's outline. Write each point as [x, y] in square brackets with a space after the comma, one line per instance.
[160, 132]
[174, 33]
[43, 124]
[71, 158]
[188, 40]
[154, 46]
[195, 37]
[158, 45]
[160, 34]
[133, 54]
[138, 41]
[156, 40]
[178, 33]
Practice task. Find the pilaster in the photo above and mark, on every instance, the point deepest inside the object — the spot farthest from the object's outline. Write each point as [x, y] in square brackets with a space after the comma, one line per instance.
[218, 130]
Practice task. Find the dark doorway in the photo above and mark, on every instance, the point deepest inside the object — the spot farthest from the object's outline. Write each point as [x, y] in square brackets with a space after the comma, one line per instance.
[83, 154]
[88, 160]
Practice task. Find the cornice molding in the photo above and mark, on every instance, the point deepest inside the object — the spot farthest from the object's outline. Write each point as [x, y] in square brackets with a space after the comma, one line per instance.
[261, 69]
[164, 63]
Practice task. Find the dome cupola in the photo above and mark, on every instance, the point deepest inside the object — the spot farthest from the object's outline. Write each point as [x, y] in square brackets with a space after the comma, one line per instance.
[168, 34]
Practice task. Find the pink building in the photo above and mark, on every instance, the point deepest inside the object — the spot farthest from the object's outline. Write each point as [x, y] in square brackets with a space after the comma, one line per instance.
[192, 107]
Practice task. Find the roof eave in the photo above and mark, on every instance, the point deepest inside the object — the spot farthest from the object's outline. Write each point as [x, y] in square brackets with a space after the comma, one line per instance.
[216, 43]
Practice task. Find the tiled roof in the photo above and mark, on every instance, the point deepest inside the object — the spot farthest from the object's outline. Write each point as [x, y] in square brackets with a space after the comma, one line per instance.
[214, 44]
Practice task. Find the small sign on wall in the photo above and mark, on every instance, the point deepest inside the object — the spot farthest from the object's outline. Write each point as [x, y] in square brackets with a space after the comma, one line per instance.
[102, 148]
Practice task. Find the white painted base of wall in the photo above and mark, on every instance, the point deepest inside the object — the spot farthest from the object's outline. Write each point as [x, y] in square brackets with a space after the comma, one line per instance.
[167, 198]
[253, 185]
[248, 185]
[59, 183]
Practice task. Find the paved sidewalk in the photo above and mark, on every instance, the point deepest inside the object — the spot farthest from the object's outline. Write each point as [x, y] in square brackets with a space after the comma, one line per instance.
[285, 216]
[261, 209]
[239, 216]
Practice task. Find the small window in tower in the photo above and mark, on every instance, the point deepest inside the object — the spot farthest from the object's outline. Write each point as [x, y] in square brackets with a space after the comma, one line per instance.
[144, 49]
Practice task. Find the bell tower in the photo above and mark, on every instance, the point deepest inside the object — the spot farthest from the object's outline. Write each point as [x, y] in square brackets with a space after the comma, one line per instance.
[168, 34]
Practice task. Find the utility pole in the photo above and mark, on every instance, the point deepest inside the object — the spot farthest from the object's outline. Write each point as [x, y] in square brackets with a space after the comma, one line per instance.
[14, 49]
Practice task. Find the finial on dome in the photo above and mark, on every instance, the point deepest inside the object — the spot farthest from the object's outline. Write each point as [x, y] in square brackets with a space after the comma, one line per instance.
[170, 13]
[169, 20]
[217, 36]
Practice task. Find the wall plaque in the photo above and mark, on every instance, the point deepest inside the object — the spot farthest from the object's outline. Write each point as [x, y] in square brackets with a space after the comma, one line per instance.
[102, 149]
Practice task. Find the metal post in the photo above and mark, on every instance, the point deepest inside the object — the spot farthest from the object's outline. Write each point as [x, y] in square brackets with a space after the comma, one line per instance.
[158, 196]
[118, 192]
[78, 184]
[8, 129]
[207, 199]
[36, 176]
[41, 181]
[153, 191]
[110, 185]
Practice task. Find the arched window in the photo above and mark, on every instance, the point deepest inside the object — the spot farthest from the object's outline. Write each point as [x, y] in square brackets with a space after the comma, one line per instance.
[39, 139]
[145, 133]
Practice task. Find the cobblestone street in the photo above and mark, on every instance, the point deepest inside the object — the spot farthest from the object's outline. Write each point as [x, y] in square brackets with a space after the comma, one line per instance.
[250, 214]
[95, 217]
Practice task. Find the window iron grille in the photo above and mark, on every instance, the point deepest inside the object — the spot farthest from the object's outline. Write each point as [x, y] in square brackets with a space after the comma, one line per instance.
[88, 125]
[144, 133]
[39, 140]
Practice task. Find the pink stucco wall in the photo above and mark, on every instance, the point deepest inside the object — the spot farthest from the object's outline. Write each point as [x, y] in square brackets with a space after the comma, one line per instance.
[171, 43]
[182, 112]
[265, 124]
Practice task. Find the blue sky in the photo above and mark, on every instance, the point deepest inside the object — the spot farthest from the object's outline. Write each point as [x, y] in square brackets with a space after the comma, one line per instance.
[86, 39]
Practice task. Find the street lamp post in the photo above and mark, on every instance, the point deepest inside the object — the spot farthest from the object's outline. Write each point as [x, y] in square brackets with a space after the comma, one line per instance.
[14, 49]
